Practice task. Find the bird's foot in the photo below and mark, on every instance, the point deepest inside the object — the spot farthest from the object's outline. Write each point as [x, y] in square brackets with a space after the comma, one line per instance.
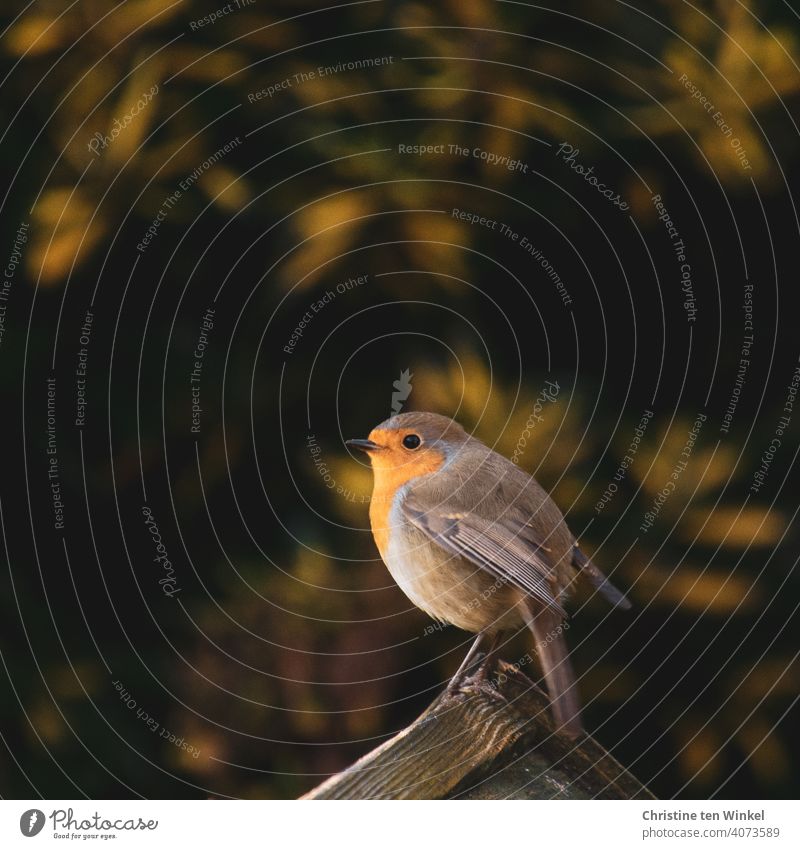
[480, 678]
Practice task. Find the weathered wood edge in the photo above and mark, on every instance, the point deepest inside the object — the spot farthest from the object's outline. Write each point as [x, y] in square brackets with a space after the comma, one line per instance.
[488, 740]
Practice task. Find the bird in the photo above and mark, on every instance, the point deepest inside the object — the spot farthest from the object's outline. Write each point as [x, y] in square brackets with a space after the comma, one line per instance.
[474, 541]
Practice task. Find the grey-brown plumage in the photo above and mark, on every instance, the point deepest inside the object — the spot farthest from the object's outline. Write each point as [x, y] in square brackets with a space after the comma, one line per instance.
[474, 540]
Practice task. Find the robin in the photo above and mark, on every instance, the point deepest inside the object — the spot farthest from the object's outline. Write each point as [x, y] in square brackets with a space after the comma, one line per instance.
[474, 541]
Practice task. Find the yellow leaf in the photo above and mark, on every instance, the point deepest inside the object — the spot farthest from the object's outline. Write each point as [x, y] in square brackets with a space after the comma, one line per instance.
[47, 722]
[35, 34]
[699, 754]
[327, 229]
[734, 528]
[226, 188]
[695, 588]
[776, 676]
[766, 751]
[134, 112]
[139, 16]
[64, 233]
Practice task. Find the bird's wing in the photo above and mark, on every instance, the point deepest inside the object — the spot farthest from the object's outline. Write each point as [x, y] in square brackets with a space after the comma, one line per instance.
[504, 546]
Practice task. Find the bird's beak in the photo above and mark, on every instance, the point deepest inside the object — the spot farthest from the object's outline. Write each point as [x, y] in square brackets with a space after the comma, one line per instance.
[364, 444]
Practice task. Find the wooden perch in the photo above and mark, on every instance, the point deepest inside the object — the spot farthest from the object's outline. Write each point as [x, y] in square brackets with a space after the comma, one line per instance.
[485, 742]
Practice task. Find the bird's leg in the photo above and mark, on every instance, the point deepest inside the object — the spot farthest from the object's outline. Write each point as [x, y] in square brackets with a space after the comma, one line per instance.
[456, 680]
[488, 662]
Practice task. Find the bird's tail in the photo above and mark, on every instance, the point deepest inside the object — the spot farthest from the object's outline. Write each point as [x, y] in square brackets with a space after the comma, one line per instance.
[598, 579]
[551, 647]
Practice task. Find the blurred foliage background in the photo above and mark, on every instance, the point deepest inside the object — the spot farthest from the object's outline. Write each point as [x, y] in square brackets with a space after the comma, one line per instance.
[288, 651]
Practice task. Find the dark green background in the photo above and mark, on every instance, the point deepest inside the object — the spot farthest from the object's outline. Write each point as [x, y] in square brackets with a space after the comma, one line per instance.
[289, 651]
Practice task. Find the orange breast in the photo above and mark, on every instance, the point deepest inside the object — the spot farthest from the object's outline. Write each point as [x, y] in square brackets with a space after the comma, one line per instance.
[388, 479]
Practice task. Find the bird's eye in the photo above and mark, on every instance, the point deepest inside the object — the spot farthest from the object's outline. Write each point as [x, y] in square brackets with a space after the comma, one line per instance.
[412, 441]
